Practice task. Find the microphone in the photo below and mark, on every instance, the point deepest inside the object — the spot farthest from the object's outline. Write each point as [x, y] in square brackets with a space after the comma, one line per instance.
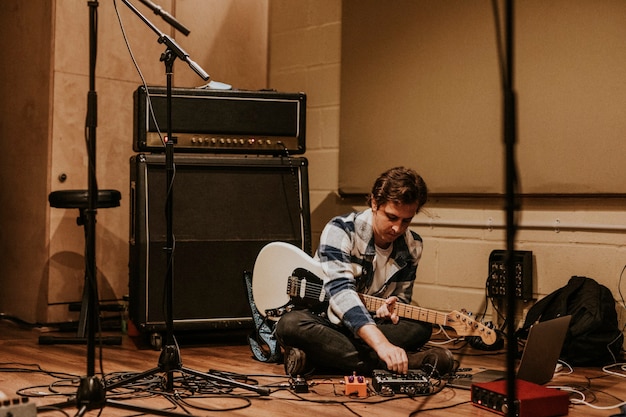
[158, 10]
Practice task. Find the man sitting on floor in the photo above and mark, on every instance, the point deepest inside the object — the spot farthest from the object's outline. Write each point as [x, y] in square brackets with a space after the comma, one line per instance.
[371, 252]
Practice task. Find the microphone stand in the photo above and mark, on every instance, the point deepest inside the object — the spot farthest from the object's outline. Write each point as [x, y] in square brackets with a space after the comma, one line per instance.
[169, 360]
[91, 393]
[512, 205]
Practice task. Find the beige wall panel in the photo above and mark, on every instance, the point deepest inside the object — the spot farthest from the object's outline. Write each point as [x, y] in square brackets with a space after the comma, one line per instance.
[113, 59]
[25, 34]
[117, 79]
[228, 39]
[43, 248]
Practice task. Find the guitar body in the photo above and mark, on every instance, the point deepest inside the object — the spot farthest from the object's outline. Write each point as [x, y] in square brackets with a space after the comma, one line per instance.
[285, 277]
[274, 265]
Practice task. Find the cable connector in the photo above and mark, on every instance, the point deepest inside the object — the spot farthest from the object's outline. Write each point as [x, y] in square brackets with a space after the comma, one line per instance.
[300, 386]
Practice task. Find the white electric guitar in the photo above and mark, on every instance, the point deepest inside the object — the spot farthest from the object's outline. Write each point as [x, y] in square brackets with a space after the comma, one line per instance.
[285, 277]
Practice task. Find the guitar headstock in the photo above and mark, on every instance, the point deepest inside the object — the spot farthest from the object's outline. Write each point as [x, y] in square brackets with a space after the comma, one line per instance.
[465, 325]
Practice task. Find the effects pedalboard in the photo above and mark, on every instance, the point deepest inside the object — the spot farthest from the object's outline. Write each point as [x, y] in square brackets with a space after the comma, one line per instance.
[415, 382]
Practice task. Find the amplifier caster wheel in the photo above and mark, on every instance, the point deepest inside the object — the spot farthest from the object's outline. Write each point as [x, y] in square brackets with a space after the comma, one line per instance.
[156, 341]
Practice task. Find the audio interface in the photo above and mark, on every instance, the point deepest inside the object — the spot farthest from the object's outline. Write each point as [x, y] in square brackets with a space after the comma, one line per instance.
[522, 274]
[532, 400]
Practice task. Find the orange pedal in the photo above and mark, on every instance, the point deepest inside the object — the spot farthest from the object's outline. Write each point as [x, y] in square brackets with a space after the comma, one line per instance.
[355, 385]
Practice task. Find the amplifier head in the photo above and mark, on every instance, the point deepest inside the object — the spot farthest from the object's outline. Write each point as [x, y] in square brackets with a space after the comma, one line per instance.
[221, 121]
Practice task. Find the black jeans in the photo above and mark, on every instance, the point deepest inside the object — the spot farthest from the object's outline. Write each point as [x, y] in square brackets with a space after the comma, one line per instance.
[331, 347]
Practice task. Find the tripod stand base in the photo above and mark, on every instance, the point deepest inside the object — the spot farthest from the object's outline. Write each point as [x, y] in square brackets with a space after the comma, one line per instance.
[91, 392]
[170, 362]
[92, 395]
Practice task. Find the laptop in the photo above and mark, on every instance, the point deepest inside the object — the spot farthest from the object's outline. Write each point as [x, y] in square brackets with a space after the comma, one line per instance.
[539, 358]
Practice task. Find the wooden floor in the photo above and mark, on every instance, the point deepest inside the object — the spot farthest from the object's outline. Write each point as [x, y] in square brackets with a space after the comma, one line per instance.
[48, 374]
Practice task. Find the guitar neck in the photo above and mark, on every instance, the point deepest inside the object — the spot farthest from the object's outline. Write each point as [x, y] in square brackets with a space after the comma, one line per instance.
[407, 311]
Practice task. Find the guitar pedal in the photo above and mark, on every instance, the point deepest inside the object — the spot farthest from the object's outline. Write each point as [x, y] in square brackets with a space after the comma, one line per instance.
[415, 382]
[355, 385]
[17, 407]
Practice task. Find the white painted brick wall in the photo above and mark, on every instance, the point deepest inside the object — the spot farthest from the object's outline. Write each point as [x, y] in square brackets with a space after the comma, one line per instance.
[305, 45]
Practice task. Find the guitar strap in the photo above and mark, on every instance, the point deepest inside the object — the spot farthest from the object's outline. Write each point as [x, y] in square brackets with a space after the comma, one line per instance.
[263, 343]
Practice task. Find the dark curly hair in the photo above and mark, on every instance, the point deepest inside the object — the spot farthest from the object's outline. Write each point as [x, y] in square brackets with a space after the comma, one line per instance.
[399, 185]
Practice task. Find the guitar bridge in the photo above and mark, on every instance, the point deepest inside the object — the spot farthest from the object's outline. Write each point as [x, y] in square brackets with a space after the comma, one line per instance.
[278, 312]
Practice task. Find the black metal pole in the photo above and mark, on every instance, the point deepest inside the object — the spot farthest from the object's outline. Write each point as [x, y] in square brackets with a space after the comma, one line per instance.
[510, 134]
[91, 392]
[92, 190]
[171, 351]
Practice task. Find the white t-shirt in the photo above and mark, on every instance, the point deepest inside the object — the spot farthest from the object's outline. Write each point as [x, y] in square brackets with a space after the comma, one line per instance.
[381, 261]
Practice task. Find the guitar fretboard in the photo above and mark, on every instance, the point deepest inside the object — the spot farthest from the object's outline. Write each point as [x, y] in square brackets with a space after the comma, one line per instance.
[407, 311]
[306, 289]
[311, 289]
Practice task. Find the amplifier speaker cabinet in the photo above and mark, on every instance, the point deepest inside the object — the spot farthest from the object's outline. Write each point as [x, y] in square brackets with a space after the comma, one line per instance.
[225, 209]
[221, 121]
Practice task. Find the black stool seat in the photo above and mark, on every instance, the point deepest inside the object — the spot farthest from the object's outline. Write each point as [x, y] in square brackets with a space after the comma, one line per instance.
[79, 199]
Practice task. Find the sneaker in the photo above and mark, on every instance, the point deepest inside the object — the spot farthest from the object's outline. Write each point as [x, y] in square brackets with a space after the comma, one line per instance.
[295, 362]
[436, 358]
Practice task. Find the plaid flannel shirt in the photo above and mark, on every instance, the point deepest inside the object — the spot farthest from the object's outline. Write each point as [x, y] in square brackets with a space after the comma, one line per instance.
[346, 254]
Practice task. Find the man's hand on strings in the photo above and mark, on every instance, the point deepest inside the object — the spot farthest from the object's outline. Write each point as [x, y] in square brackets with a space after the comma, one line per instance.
[388, 310]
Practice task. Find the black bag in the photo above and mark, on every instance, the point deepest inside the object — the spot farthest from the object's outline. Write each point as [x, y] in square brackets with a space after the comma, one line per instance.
[593, 337]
